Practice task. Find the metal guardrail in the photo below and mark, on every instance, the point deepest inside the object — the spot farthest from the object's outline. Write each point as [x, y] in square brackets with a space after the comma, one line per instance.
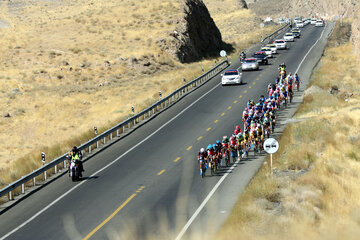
[274, 34]
[121, 127]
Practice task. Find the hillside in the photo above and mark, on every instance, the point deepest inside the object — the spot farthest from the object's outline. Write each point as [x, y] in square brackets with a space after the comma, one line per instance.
[69, 65]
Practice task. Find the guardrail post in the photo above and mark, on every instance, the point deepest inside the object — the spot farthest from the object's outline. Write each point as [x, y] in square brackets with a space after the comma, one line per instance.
[123, 129]
[65, 160]
[110, 136]
[10, 196]
[45, 176]
[90, 149]
[34, 181]
[55, 168]
[134, 121]
[104, 140]
[23, 188]
[97, 144]
[117, 132]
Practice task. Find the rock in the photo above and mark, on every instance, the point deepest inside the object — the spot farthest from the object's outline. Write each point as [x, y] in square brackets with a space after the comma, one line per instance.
[146, 64]
[82, 65]
[195, 36]
[107, 64]
[65, 63]
[242, 4]
[7, 115]
[334, 89]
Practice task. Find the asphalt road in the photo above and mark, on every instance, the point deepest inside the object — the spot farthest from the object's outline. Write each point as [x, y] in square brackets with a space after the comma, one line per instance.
[149, 183]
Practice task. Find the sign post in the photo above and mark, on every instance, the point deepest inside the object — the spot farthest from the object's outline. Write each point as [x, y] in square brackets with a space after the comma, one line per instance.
[223, 53]
[271, 145]
[262, 25]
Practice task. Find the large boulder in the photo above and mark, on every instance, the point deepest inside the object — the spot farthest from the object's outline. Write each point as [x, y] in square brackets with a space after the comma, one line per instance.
[196, 35]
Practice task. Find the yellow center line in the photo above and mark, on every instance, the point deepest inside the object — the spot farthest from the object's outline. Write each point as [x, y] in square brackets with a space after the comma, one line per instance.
[249, 86]
[189, 148]
[177, 159]
[245, 91]
[161, 172]
[222, 114]
[216, 121]
[240, 96]
[229, 107]
[253, 83]
[257, 78]
[235, 101]
[208, 129]
[199, 138]
[110, 217]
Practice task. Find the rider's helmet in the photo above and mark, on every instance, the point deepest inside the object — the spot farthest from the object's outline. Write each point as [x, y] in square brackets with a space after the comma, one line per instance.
[237, 127]
[236, 132]
[209, 147]
[217, 141]
[202, 150]
[214, 146]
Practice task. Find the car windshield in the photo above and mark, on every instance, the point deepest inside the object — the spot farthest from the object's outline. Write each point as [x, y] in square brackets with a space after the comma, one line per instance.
[229, 73]
[259, 55]
[279, 41]
[250, 60]
[288, 34]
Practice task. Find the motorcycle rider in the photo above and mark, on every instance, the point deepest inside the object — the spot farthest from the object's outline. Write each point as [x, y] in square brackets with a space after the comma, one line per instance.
[76, 155]
[242, 55]
[282, 67]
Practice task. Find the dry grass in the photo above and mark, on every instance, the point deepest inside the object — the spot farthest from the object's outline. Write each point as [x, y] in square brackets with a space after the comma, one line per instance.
[314, 194]
[69, 65]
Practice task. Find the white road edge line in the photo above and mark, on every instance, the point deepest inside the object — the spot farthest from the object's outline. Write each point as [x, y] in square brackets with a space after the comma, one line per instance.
[78, 185]
[202, 205]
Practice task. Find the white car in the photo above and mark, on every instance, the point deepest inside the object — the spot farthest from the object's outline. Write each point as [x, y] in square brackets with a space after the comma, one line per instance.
[313, 21]
[299, 24]
[289, 37]
[267, 51]
[280, 43]
[298, 29]
[250, 64]
[319, 23]
[232, 76]
[272, 47]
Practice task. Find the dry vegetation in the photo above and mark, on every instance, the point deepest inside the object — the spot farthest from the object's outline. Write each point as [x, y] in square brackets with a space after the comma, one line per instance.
[69, 65]
[314, 192]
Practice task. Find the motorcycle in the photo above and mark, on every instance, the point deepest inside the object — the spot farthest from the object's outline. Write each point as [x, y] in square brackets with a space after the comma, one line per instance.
[74, 170]
[242, 57]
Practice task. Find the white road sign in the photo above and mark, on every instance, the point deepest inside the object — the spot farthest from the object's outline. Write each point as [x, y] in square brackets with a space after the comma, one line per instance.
[271, 145]
[262, 25]
[223, 53]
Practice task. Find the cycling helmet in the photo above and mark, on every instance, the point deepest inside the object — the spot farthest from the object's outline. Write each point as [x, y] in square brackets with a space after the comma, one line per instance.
[214, 146]
[236, 132]
[209, 147]
[217, 141]
[202, 150]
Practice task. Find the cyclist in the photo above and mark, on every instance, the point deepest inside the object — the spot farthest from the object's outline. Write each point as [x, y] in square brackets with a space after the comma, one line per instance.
[297, 81]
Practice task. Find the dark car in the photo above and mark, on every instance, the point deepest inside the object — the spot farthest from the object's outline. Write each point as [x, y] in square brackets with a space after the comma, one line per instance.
[261, 57]
[296, 33]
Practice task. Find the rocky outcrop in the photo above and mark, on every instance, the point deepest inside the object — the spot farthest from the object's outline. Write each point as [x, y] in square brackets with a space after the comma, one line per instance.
[242, 3]
[196, 35]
